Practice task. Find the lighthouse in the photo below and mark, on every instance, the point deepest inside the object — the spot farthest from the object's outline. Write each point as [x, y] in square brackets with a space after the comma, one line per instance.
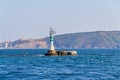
[51, 33]
[53, 52]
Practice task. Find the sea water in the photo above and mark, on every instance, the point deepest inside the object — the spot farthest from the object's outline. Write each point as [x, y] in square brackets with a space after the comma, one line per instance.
[31, 64]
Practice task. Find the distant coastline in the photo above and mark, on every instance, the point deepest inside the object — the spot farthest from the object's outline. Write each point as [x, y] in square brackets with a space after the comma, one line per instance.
[84, 40]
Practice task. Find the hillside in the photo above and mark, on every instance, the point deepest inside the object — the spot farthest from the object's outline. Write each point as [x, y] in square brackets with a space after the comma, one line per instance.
[26, 43]
[98, 39]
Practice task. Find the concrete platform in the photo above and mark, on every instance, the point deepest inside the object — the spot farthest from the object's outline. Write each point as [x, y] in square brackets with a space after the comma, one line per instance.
[60, 53]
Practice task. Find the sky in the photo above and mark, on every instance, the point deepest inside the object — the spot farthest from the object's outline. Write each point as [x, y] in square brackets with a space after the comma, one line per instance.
[25, 19]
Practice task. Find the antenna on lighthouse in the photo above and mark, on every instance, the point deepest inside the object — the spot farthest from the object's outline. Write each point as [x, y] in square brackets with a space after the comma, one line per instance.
[51, 33]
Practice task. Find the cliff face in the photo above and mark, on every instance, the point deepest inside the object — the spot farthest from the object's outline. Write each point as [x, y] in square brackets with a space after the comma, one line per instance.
[29, 43]
[98, 39]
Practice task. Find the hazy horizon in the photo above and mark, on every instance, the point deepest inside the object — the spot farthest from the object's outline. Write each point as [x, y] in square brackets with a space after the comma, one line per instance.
[33, 18]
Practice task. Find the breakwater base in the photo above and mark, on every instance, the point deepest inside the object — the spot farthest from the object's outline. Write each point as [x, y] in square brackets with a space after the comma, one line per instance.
[60, 53]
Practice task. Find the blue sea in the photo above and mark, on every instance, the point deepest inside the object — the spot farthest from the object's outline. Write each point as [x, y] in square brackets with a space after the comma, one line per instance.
[31, 64]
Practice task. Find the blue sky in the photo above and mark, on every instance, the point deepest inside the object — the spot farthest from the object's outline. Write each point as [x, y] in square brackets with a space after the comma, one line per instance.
[33, 18]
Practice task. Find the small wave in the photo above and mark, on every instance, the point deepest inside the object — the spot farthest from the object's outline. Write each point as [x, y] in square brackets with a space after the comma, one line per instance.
[68, 74]
[41, 55]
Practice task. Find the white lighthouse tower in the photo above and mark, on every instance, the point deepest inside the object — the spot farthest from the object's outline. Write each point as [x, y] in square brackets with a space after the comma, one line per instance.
[51, 33]
[6, 44]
